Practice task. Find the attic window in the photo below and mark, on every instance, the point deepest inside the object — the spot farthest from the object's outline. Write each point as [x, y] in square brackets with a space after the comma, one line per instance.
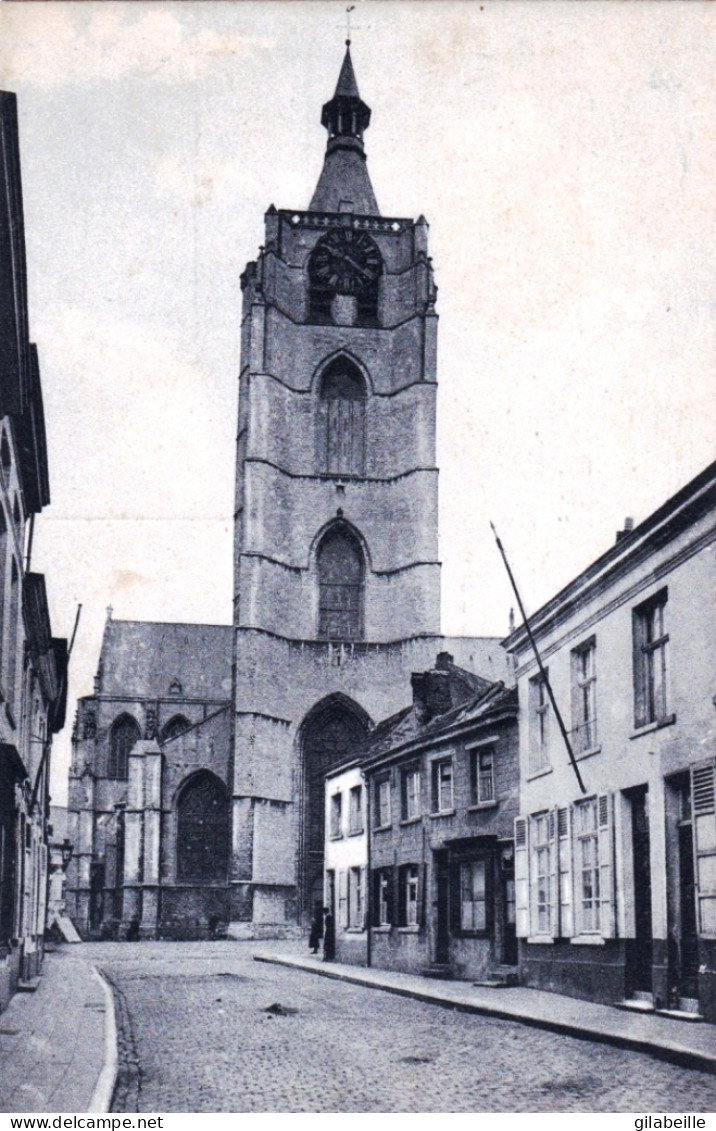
[175, 687]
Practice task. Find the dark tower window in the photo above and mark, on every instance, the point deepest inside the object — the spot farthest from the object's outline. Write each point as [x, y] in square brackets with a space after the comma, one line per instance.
[340, 586]
[203, 830]
[343, 418]
[176, 726]
[122, 737]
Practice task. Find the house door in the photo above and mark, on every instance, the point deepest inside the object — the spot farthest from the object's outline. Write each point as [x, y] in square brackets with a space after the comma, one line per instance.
[688, 974]
[442, 931]
[639, 949]
[509, 933]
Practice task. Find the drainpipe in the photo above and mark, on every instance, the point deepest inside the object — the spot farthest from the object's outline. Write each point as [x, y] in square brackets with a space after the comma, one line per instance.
[368, 878]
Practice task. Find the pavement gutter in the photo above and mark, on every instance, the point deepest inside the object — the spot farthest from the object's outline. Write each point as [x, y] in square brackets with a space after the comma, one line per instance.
[670, 1051]
[104, 1088]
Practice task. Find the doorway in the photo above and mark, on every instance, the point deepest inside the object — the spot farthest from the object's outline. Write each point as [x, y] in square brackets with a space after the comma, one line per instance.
[509, 955]
[442, 926]
[330, 732]
[639, 950]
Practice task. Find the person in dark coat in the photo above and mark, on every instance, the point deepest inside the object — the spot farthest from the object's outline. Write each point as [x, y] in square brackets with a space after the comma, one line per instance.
[316, 934]
[329, 935]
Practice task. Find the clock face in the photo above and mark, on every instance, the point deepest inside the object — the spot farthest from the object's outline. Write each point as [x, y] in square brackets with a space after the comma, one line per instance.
[345, 262]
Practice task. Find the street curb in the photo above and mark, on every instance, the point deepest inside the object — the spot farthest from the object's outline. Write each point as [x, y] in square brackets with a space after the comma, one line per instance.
[104, 1088]
[665, 1050]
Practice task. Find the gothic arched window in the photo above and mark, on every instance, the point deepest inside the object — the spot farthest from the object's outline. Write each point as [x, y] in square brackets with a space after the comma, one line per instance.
[341, 574]
[122, 737]
[343, 398]
[176, 726]
[203, 829]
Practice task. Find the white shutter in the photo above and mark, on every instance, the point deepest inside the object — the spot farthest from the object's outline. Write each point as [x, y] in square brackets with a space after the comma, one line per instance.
[553, 875]
[343, 899]
[605, 827]
[522, 878]
[703, 803]
[364, 898]
[564, 847]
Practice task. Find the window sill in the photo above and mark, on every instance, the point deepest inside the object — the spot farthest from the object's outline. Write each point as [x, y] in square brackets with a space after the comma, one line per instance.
[482, 805]
[587, 940]
[441, 813]
[587, 753]
[336, 836]
[381, 828]
[384, 929]
[540, 940]
[539, 773]
[355, 832]
[411, 820]
[649, 728]
[355, 930]
[414, 930]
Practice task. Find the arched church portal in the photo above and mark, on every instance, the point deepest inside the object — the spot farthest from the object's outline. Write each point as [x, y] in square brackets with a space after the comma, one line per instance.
[328, 736]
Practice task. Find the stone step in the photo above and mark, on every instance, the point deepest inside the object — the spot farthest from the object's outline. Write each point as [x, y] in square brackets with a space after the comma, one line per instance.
[28, 985]
[637, 1005]
[680, 1014]
[441, 970]
[499, 977]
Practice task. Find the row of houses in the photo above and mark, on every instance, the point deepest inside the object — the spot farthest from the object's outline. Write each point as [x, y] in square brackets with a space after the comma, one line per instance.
[33, 663]
[462, 840]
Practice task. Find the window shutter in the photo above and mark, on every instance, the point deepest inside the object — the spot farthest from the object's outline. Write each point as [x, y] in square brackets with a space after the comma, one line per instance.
[422, 871]
[343, 899]
[605, 826]
[364, 898]
[703, 802]
[522, 882]
[553, 875]
[566, 883]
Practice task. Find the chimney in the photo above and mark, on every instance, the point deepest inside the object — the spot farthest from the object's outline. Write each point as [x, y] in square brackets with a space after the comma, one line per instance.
[443, 661]
[628, 527]
[431, 693]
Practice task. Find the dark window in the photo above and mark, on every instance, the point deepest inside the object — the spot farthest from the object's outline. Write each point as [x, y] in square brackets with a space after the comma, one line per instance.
[442, 785]
[650, 661]
[355, 810]
[381, 817]
[538, 725]
[340, 586]
[584, 696]
[202, 830]
[409, 895]
[483, 775]
[336, 815]
[122, 737]
[343, 396]
[383, 897]
[473, 896]
[410, 793]
[176, 726]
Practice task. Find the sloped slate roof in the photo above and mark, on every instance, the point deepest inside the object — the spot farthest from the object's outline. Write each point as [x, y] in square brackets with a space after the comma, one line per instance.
[143, 658]
[406, 728]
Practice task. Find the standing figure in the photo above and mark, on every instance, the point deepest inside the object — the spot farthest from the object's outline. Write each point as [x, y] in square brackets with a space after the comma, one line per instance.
[329, 935]
[316, 928]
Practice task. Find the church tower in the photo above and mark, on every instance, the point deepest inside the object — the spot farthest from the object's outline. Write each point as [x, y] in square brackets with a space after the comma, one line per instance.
[337, 578]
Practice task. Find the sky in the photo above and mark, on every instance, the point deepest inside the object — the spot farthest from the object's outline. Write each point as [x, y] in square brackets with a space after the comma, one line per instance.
[563, 155]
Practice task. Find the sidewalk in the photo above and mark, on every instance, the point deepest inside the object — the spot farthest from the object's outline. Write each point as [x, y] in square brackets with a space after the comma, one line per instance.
[58, 1045]
[690, 1044]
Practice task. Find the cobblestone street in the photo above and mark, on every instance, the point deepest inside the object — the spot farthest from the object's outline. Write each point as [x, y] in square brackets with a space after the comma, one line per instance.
[195, 1035]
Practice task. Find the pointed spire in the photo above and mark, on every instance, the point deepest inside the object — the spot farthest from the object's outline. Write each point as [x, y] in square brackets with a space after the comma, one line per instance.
[344, 182]
[346, 115]
[347, 87]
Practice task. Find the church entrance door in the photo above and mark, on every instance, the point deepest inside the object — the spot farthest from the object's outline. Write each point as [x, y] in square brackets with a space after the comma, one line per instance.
[329, 735]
